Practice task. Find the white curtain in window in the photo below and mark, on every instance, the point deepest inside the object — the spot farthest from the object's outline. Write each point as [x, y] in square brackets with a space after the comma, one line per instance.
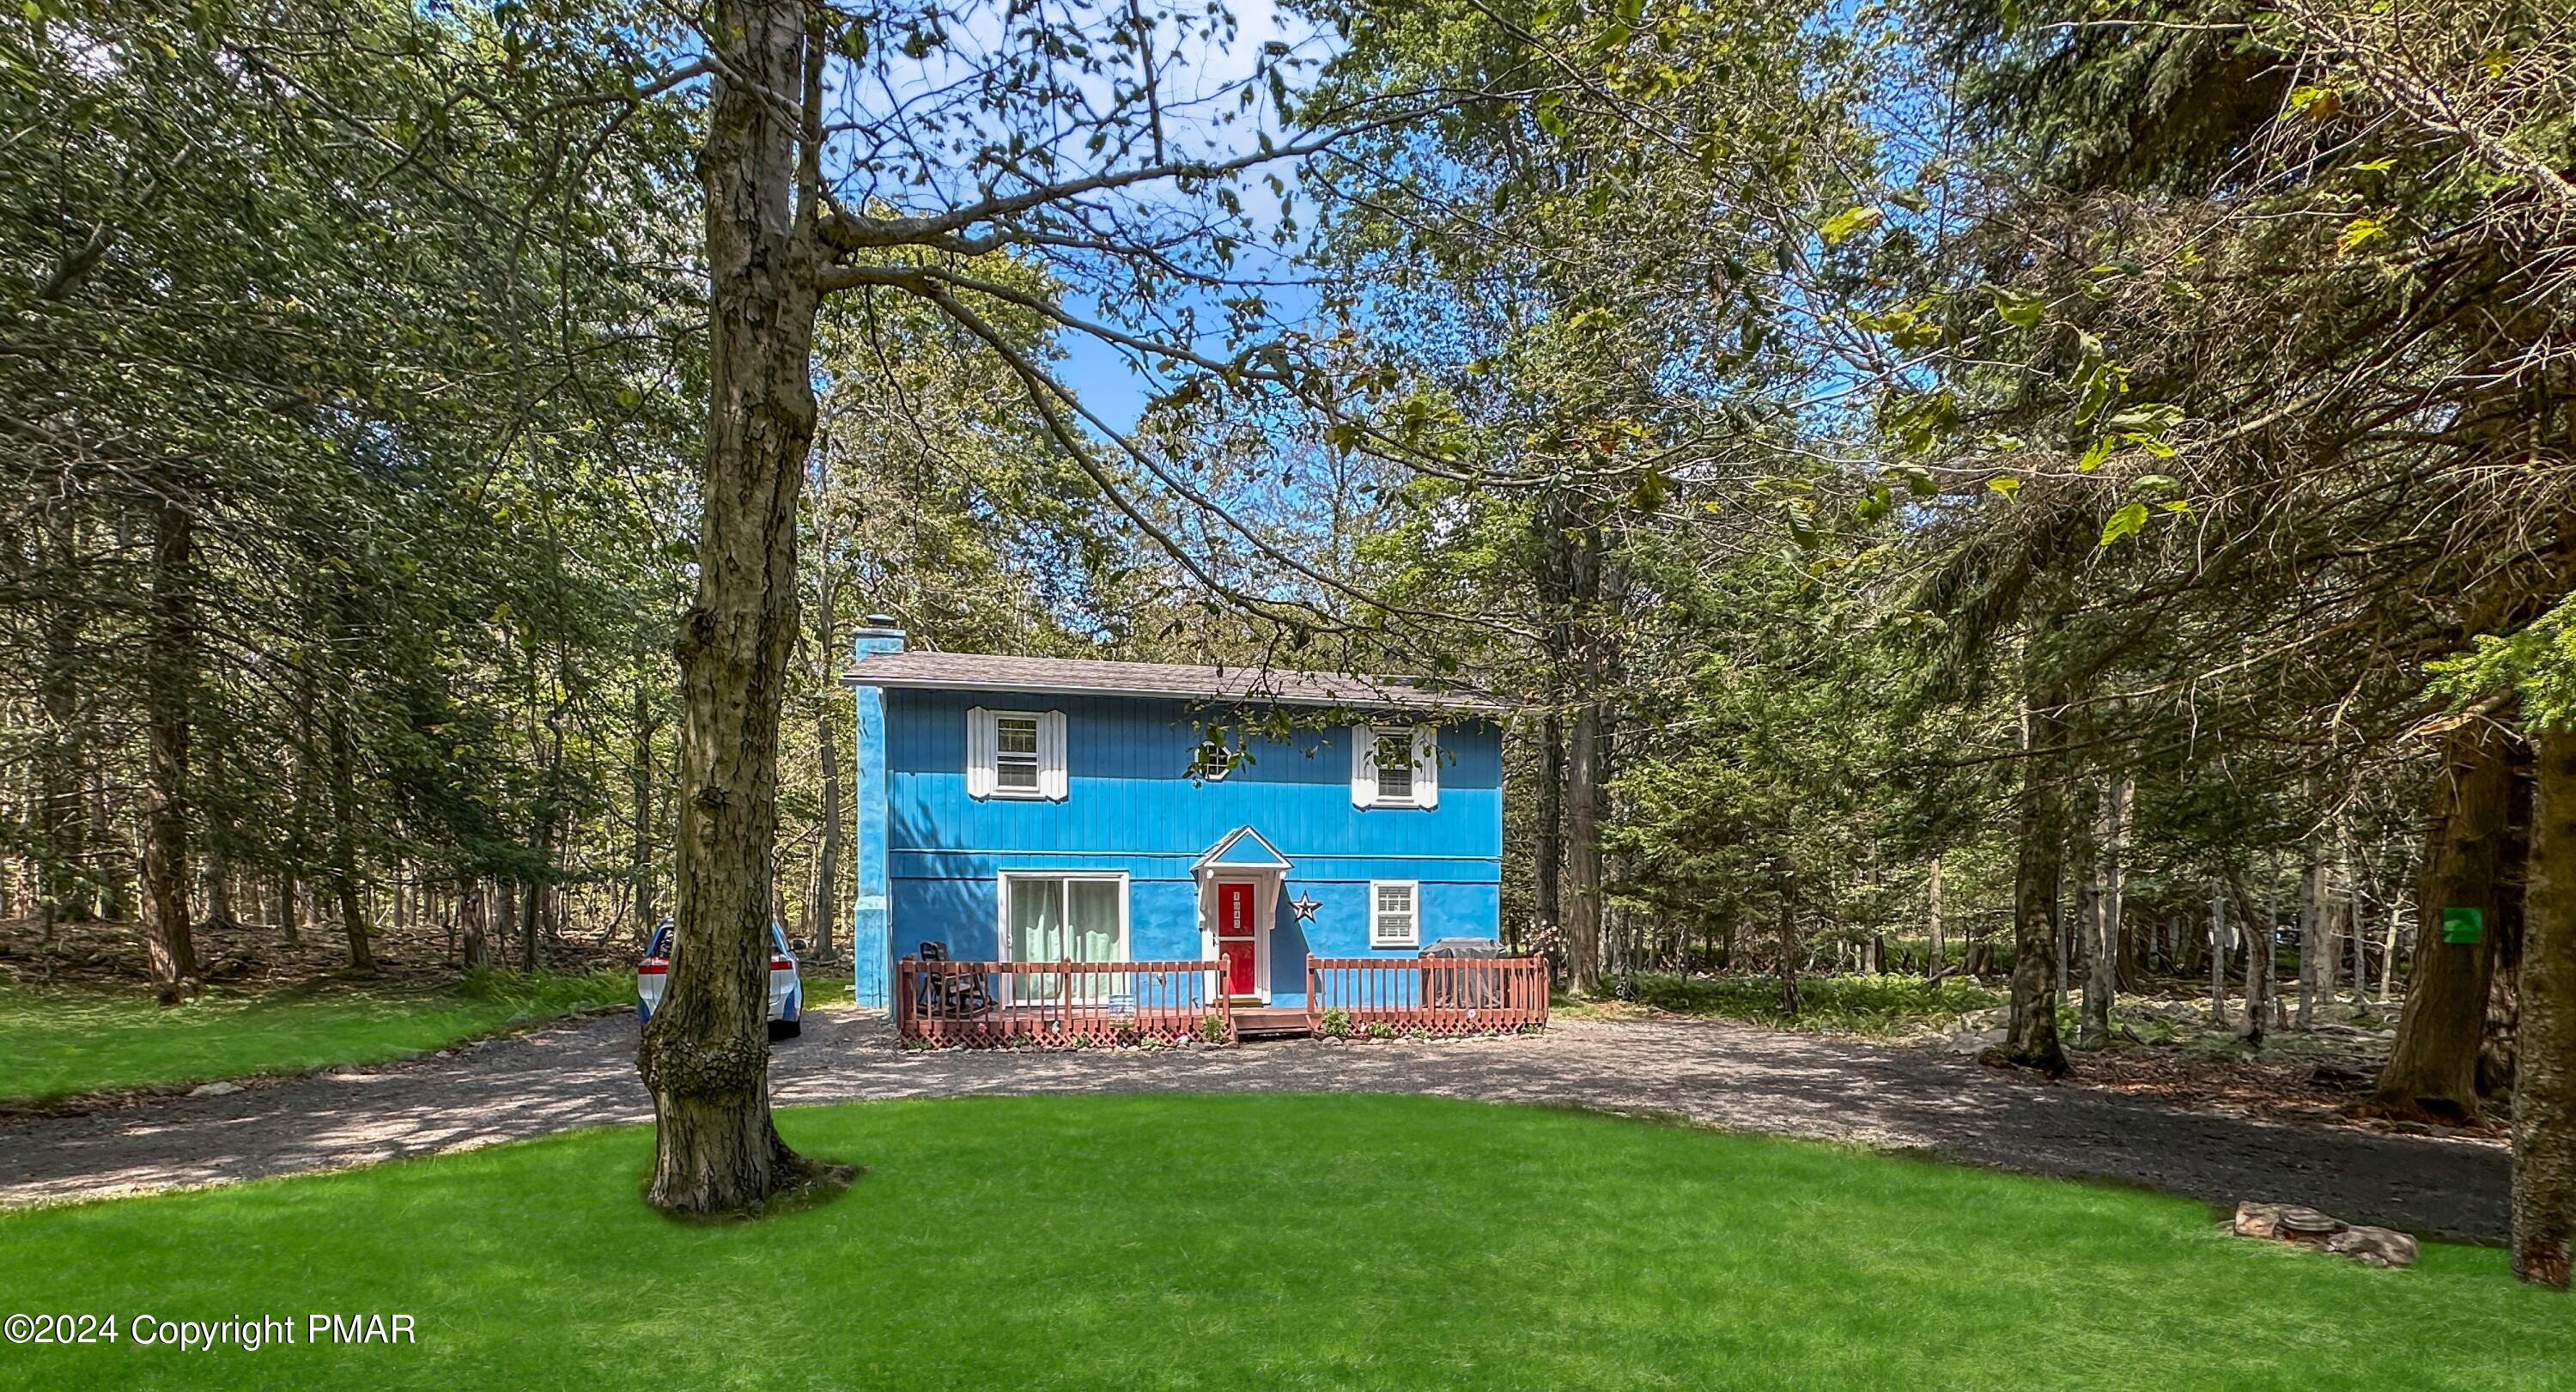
[1055, 920]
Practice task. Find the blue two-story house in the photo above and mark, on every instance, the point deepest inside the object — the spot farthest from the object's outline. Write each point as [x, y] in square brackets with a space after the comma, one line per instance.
[1018, 809]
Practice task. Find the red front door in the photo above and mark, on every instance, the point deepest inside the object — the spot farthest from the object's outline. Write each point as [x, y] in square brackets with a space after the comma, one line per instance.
[1234, 936]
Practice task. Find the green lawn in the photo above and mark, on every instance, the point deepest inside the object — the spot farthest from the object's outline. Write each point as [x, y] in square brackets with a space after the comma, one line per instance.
[59, 1042]
[1263, 1242]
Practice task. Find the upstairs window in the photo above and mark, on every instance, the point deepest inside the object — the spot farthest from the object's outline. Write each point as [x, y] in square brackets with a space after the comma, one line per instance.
[1015, 754]
[1213, 761]
[1395, 913]
[1395, 766]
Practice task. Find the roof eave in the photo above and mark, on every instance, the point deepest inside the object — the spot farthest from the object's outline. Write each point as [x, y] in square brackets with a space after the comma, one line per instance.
[1428, 703]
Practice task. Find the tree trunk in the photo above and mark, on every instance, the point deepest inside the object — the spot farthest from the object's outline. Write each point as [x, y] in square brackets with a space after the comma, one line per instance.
[640, 776]
[286, 911]
[2360, 954]
[2218, 942]
[2099, 919]
[1547, 856]
[2104, 980]
[827, 850]
[2472, 859]
[705, 1054]
[1939, 957]
[344, 843]
[532, 898]
[2259, 962]
[2388, 951]
[112, 896]
[2341, 909]
[1789, 957]
[219, 891]
[2075, 928]
[1583, 852]
[2031, 1039]
[2544, 1088]
[470, 907]
[62, 828]
[1978, 957]
[2312, 931]
[169, 682]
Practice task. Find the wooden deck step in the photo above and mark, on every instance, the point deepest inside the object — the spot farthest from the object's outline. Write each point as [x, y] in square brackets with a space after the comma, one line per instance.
[1269, 1022]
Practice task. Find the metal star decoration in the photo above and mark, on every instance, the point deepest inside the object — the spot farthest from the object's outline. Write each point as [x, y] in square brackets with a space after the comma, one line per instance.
[1305, 904]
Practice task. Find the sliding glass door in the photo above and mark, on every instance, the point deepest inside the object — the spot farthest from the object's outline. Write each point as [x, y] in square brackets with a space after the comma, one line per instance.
[1059, 918]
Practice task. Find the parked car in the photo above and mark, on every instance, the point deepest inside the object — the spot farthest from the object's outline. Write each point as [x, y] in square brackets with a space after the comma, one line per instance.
[786, 989]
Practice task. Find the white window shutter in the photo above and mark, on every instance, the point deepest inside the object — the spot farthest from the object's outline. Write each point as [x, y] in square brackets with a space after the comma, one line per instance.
[1363, 766]
[980, 745]
[1426, 766]
[1051, 770]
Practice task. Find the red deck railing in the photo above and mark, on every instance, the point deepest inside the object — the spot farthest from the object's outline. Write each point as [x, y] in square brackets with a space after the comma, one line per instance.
[1444, 995]
[1060, 1005]
[1066, 1005]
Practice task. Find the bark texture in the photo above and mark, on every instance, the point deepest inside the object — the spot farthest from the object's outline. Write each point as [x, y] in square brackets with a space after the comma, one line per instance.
[1583, 852]
[2030, 1038]
[2102, 971]
[640, 775]
[61, 827]
[170, 679]
[2259, 996]
[344, 846]
[2544, 1090]
[2472, 859]
[705, 1055]
[1547, 856]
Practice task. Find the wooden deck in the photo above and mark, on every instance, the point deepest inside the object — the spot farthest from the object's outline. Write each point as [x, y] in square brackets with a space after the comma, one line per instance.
[1073, 1005]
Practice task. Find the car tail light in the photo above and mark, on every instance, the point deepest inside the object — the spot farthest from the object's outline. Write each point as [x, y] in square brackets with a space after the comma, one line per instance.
[654, 967]
[782, 964]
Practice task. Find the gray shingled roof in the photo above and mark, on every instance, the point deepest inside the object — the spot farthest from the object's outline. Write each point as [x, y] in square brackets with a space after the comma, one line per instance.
[943, 671]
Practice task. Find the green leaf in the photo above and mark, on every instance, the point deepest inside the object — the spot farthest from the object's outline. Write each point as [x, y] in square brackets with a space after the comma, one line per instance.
[2023, 309]
[1850, 222]
[2361, 232]
[2005, 484]
[1806, 536]
[1875, 504]
[2147, 418]
[2095, 457]
[2127, 522]
[2093, 392]
[1545, 109]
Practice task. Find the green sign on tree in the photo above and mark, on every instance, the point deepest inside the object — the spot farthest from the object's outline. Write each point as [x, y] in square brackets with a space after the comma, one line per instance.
[2463, 925]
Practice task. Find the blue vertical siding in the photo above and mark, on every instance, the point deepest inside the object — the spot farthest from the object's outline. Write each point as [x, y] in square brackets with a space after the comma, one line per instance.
[1132, 808]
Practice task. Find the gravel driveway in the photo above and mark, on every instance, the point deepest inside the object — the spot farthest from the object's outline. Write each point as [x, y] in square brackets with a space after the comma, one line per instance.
[583, 1074]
